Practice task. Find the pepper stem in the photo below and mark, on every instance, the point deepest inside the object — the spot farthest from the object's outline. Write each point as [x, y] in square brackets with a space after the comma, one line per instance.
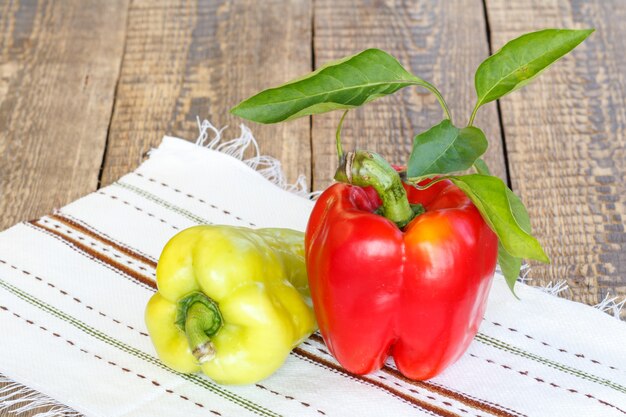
[366, 169]
[200, 318]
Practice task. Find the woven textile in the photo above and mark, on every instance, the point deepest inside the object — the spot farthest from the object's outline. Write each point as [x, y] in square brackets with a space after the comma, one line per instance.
[74, 284]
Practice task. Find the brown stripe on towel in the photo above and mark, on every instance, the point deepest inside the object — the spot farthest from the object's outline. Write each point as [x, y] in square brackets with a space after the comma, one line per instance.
[407, 398]
[95, 235]
[94, 254]
[496, 410]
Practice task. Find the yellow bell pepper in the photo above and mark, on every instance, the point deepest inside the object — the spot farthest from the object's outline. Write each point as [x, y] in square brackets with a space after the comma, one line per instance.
[231, 302]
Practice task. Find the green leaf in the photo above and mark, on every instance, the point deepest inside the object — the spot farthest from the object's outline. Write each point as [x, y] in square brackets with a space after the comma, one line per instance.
[445, 148]
[519, 211]
[504, 213]
[510, 266]
[481, 167]
[343, 84]
[522, 59]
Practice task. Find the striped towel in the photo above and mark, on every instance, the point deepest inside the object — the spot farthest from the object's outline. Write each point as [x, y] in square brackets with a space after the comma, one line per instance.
[74, 284]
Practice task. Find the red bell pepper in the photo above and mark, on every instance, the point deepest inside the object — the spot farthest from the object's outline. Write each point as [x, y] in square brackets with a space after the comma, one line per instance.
[401, 270]
[413, 287]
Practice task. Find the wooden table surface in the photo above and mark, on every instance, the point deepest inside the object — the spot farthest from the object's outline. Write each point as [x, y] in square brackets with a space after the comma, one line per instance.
[87, 87]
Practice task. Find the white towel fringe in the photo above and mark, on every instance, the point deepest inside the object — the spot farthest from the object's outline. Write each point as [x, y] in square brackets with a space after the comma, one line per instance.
[611, 306]
[25, 399]
[555, 288]
[267, 166]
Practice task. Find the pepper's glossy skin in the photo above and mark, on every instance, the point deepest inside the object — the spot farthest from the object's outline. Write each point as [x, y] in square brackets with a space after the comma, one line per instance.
[418, 294]
[258, 280]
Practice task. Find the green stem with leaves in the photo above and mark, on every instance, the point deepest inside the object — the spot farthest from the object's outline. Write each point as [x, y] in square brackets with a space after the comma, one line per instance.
[443, 149]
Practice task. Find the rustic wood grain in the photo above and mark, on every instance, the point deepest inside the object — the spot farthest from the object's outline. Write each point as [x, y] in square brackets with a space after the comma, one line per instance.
[186, 59]
[442, 42]
[59, 62]
[566, 141]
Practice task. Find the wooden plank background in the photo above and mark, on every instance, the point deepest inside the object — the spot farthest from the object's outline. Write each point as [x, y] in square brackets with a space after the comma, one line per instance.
[87, 87]
[566, 143]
